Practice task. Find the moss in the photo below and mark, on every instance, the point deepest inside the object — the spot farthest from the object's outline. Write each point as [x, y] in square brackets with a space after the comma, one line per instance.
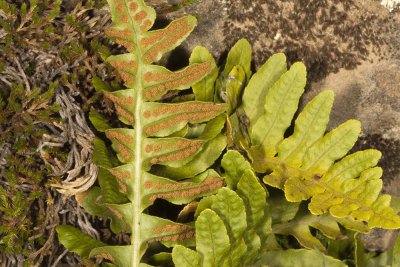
[23, 118]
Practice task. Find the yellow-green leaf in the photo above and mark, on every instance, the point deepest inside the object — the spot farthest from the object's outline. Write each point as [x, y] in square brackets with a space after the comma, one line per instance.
[259, 85]
[185, 257]
[299, 258]
[212, 240]
[204, 89]
[279, 107]
[77, 241]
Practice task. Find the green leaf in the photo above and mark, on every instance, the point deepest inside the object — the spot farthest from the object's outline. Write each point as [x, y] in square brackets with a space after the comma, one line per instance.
[110, 188]
[239, 55]
[205, 203]
[159, 80]
[334, 145]
[299, 258]
[303, 164]
[213, 128]
[234, 87]
[230, 208]
[211, 151]
[360, 257]
[182, 192]
[99, 85]
[204, 89]
[234, 165]
[282, 211]
[159, 139]
[102, 156]
[212, 240]
[258, 216]
[310, 125]
[76, 241]
[280, 105]
[98, 121]
[161, 119]
[91, 203]
[124, 104]
[184, 257]
[300, 228]
[260, 84]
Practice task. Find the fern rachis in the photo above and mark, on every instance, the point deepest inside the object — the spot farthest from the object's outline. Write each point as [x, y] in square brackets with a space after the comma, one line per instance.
[150, 153]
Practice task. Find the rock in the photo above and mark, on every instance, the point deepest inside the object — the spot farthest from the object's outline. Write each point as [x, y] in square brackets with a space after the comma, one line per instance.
[385, 239]
[326, 35]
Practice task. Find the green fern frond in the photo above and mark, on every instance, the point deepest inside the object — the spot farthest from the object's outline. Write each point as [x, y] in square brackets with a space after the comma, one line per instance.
[232, 227]
[156, 151]
[298, 258]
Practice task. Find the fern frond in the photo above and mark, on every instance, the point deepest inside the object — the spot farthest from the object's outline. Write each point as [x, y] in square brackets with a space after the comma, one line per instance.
[232, 227]
[157, 150]
[309, 164]
[299, 258]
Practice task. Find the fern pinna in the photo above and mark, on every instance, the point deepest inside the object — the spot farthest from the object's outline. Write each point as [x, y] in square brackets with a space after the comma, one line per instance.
[166, 153]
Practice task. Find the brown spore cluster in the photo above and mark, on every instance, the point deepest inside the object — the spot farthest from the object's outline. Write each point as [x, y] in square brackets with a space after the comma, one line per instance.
[124, 101]
[170, 36]
[176, 191]
[177, 79]
[123, 113]
[125, 154]
[174, 237]
[126, 70]
[121, 37]
[123, 105]
[184, 152]
[122, 138]
[106, 256]
[121, 176]
[171, 121]
[182, 108]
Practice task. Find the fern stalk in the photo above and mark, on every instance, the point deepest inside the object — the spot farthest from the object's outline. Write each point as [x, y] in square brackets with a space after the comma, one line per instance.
[135, 233]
